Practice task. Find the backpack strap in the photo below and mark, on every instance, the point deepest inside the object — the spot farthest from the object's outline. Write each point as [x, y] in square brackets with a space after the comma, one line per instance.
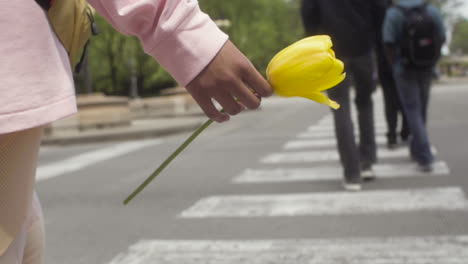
[84, 53]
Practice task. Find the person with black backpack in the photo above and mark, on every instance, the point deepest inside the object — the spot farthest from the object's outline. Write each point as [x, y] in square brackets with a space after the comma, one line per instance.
[413, 35]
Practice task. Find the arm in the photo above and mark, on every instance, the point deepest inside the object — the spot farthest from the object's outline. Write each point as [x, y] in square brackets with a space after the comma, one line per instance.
[190, 46]
[310, 16]
[439, 23]
[390, 35]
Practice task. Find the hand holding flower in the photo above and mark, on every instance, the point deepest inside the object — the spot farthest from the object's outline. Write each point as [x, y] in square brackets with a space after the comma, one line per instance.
[305, 69]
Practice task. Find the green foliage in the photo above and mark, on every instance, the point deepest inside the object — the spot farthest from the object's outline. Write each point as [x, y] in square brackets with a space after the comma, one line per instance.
[459, 44]
[113, 58]
[260, 28]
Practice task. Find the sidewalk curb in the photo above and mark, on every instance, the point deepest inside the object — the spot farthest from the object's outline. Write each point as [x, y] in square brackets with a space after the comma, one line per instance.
[122, 134]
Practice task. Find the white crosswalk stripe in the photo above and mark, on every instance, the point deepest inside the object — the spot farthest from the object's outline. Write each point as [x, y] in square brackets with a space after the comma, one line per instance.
[332, 203]
[328, 133]
[81, 161]
[321, 142]
[406, 250]
[381, 127]
[327, 155]
[381, 170]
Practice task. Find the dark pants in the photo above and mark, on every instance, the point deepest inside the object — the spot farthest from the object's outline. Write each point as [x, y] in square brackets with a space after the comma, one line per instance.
[392, 106]
[414, 88]
[360, 70]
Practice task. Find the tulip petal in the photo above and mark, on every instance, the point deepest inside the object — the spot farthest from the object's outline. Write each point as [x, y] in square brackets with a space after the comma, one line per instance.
[314, 44]
[331, 81]
[323, 99]
[306, 68]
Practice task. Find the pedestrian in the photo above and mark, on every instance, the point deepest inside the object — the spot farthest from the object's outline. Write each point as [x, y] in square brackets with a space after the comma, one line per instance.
[351, 24]
[36, 88]
[413, 34]
[393, 109]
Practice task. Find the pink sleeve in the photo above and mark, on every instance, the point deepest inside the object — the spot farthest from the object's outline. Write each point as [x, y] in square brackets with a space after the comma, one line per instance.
[176, 33]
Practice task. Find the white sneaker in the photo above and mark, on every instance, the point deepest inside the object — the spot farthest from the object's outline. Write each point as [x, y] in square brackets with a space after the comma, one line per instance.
[367, 175]
[352, 187]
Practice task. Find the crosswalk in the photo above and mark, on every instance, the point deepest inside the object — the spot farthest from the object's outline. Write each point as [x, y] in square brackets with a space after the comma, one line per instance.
[76, 163]
[389, 170]
[414, 250]
[332, 203]
[311, 157]
[325, 155]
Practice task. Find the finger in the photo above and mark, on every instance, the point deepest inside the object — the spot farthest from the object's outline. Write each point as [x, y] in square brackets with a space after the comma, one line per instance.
[228, 102]
[246, 96]
[256, 81]
[209, 109]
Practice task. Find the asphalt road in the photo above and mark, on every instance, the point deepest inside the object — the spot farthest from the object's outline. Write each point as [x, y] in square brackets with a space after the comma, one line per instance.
[262, 188]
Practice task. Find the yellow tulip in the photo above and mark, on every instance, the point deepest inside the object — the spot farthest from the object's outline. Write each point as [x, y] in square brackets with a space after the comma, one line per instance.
[306, 69]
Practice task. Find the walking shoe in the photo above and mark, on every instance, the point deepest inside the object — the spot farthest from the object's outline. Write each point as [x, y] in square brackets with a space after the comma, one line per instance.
[427, 168]
[352, 186]
[368, 174]
[404, 137]
[392, 143]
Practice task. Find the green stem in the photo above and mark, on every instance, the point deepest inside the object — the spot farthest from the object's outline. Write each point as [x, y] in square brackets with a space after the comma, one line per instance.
[167, 161]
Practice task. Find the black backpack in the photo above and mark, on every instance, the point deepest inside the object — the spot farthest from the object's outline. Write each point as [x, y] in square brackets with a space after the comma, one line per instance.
[421, 44]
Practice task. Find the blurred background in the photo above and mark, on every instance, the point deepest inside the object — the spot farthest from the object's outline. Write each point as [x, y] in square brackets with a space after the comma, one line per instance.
[117, 64]
[259, 28]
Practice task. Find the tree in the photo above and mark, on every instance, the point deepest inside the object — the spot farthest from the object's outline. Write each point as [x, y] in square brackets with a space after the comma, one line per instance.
[448, 7]
[459, 44]
[260, 28]
[114, 58]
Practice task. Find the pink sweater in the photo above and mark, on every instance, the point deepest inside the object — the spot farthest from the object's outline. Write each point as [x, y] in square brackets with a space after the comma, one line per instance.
[36, 85]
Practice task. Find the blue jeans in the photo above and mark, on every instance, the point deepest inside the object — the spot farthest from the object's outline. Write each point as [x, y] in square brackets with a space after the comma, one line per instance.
[414, 88]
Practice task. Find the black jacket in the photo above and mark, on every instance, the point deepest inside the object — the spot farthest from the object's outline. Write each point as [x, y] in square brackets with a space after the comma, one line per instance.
[353, 24]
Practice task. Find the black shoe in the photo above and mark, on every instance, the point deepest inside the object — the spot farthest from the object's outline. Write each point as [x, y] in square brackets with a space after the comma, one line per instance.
[391, 141]
[404, 139]
[392, 145]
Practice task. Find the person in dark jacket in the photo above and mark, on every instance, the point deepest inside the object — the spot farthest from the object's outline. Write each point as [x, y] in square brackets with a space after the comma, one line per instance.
[351, 25]
[393, 107]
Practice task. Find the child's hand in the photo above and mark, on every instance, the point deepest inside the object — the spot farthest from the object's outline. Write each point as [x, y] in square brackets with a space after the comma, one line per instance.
[232, 81]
